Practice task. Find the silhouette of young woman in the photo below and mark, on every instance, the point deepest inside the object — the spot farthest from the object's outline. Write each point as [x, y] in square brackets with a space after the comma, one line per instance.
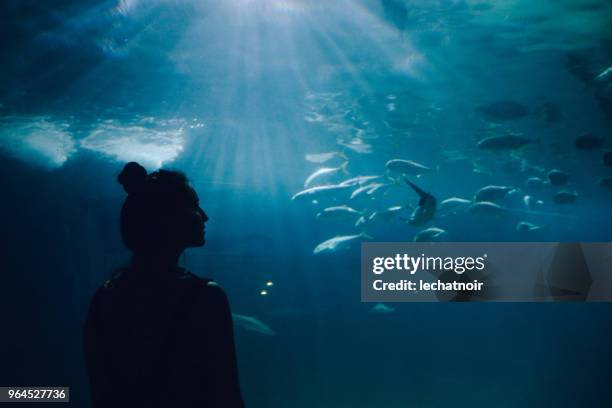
[157, 335]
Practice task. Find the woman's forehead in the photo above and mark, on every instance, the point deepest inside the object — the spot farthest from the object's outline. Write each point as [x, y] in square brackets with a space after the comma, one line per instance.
[191, 193]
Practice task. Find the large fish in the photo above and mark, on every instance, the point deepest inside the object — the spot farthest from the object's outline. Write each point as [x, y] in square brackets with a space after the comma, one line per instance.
[381, 308]
[557, 177]
[370, 189]
[324, 173]
[426, 208]
[314, 193]
[605, 182]
[454, 204]
[589, 141]
[525, 226]
[407, 167]
[493, 193]
[486, 208]
[432, 234]
[251, 324]
[504, 142]
[324, 157]
[359, 180]
[340, 212]
[500, 111]
[339, 243]
[565, 197]
[606, 158]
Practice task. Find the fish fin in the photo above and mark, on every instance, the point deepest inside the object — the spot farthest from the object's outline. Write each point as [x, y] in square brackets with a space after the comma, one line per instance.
[343, 168]
[365, 235]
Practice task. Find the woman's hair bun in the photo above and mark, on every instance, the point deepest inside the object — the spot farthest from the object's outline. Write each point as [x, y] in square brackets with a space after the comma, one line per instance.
[132, 177]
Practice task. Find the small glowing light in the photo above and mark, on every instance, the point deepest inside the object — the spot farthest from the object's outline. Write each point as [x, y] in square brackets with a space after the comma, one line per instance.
[263, 292]
[269, 283]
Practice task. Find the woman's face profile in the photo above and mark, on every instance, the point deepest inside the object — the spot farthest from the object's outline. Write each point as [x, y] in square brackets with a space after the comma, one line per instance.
[190, 220]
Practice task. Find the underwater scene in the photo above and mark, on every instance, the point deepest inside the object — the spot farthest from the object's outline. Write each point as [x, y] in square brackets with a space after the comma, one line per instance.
[308, 127]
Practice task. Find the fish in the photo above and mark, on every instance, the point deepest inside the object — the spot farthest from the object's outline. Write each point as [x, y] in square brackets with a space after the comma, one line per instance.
[357, 145]
[525, 226]
[605, 182]
[250, 323]
[341, 212]
[369, 189]
[486, 208]
[361, 221]
[430, 234]
[359, 180]
[454, 204]
[500, 111]
[504, 142]
[606, 158]
[339, 243]
[426, 208]
[548, 112]
[407, 167]
[606, 75]
[317, 192]
[589, 141]
[321, 158]
[381, 308]
[325, 173]
[531, 203]
[565, 197]
[386, 215]
[557, 177]
[493, 193]
[535, 183]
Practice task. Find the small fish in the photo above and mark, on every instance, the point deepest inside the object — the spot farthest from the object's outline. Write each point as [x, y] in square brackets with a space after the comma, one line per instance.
[606, 75]
[357, 145]
[493, 193]
[321, 158]
[606, 158]
[589, 141]
[315, 193]
[535, 183]
[565, 197]
[486, 208]
[500, 111]
[359, 180]
[557, 177]
[325, 173]
[369, 189]
[385, 215]
[605, 182]
[341, 212]
[381, 308]
[454, 204]
[430, 234]
[339, 243]
[407, 167]
[361, 221]
[251, 324]
[505, 142]
[525, 226]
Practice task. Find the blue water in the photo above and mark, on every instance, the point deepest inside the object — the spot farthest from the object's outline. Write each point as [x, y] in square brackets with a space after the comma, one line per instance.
[236, 94]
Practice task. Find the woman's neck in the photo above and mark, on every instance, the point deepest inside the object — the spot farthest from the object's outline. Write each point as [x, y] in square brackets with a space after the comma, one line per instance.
[158, 264]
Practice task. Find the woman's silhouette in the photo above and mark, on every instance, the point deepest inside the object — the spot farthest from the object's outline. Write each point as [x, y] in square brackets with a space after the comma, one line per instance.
[157, 335]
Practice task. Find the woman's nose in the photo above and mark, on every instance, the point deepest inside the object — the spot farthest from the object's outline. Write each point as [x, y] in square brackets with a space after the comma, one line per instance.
[204, 216]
